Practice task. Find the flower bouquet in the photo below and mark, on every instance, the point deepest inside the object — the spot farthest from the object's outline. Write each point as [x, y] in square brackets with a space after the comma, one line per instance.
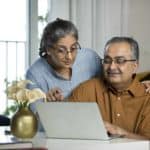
[23, 96]
[24, 123]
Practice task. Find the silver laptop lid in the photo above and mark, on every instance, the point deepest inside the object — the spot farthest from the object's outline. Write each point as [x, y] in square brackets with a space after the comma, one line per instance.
[72, 120]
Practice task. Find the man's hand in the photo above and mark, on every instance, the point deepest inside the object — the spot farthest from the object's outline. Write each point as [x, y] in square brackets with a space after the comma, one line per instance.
[147, 85]
[55, 94]
[115, 130]
[120, 132]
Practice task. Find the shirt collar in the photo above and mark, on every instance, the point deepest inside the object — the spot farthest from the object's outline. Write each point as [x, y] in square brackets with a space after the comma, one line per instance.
[136, 88]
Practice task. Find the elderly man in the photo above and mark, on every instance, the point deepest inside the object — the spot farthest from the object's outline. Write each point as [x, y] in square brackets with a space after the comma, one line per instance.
[122, 99]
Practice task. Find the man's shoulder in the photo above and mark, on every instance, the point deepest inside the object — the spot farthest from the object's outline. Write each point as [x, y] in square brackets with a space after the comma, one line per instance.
[92, 82]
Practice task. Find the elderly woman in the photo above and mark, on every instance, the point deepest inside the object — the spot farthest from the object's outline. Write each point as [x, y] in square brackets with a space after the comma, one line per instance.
[63, 64]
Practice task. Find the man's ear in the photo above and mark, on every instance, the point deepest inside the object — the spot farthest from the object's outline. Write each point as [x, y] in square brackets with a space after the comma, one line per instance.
[136, 66]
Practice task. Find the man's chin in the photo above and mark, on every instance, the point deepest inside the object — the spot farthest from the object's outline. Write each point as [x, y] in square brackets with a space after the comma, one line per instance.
[113, 81]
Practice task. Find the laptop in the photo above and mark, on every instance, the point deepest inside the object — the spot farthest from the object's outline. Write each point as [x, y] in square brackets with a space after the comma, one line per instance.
[72, 120]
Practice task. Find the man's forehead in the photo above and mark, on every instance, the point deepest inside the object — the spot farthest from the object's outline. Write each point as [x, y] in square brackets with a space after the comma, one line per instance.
[118, 44]
[118, 47]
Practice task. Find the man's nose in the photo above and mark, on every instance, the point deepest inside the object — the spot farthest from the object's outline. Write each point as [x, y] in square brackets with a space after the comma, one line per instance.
[113, 65]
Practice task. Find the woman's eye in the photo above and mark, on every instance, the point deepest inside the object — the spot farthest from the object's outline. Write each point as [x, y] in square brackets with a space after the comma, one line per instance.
[73, 48]
[61, 50]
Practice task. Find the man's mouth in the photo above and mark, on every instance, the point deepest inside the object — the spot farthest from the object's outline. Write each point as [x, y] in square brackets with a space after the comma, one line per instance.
[113, 73]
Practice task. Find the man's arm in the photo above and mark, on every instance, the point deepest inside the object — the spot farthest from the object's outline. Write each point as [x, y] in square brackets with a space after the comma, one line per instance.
[144, 77]
[115, 130]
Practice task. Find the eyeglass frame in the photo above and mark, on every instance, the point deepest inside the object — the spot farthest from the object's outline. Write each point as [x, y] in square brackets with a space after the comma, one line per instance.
[116, 60]
[65, 51]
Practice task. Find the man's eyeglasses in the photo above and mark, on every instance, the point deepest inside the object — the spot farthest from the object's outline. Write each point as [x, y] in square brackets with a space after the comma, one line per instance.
[63, 50]
[116, 60]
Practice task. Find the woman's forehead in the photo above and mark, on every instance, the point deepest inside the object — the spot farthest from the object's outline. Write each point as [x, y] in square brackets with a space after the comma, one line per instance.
[68, 39]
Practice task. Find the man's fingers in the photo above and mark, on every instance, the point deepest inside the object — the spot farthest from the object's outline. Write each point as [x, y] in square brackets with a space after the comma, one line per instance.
[147, 85]
[148, 90]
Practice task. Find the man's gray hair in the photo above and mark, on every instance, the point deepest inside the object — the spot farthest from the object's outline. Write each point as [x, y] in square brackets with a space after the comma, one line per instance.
[133, 44]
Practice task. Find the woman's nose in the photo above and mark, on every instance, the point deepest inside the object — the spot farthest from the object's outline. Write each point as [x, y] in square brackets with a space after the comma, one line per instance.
[69, 55]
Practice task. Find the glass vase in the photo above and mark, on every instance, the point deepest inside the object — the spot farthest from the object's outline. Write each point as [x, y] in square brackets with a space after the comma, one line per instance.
[24, 123]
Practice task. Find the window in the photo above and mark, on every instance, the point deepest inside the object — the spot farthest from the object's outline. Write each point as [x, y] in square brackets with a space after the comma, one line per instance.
[12, 44]
[42, 15]
[13, 40]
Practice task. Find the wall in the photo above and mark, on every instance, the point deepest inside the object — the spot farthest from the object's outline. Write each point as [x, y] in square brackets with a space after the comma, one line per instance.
[139, 27]
[99, 20]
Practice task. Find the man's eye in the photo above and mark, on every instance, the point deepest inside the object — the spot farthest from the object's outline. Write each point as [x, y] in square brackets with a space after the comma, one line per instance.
[120, 61]
[107, 61]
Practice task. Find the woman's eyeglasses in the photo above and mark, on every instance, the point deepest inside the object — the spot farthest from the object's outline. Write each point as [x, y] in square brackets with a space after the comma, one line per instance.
[63, 50]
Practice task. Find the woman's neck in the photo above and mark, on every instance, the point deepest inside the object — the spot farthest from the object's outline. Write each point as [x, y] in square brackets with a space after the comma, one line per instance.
[65, 73]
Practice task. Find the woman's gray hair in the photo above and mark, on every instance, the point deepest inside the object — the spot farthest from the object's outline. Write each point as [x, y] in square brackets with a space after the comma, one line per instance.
[53, 32]
[133, 44]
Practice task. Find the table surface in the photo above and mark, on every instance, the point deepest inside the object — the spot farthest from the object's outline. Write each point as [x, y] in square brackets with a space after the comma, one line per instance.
[70, 144]
[40, 140]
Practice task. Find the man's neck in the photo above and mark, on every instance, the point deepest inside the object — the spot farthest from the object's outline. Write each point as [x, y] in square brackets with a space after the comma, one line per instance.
[119, 87]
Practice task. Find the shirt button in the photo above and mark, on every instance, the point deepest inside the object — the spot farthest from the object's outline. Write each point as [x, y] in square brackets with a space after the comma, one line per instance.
[118, 98]
[118, 115]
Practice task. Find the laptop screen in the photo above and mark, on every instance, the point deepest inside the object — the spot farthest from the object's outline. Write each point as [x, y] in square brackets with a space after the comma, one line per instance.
[72, 120]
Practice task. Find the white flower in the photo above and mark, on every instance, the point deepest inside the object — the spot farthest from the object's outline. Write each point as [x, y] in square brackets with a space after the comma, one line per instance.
[18, 91]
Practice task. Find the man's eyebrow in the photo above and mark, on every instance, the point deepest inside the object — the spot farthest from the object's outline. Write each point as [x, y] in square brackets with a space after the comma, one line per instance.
[107, 56]
[119, 57]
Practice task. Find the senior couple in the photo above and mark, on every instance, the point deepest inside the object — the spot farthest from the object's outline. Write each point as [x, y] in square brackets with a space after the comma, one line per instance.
[65, 71]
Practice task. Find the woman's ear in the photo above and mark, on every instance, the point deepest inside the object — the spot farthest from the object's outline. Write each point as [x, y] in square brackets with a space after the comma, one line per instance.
[48, 52]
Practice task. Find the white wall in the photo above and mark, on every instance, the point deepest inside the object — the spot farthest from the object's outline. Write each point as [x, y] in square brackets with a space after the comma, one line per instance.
[139, 27]
[59, 8]
[99, 20]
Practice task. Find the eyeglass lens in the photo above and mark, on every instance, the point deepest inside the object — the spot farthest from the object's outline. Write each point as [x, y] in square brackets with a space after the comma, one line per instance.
[117, 60]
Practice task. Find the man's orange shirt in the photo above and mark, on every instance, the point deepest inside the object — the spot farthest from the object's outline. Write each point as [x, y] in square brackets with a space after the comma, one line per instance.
[129, 109]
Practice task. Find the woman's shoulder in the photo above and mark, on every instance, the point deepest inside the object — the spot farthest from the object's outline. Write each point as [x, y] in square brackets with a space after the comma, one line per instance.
[39, 63]
[88, 52]
[87, 56]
